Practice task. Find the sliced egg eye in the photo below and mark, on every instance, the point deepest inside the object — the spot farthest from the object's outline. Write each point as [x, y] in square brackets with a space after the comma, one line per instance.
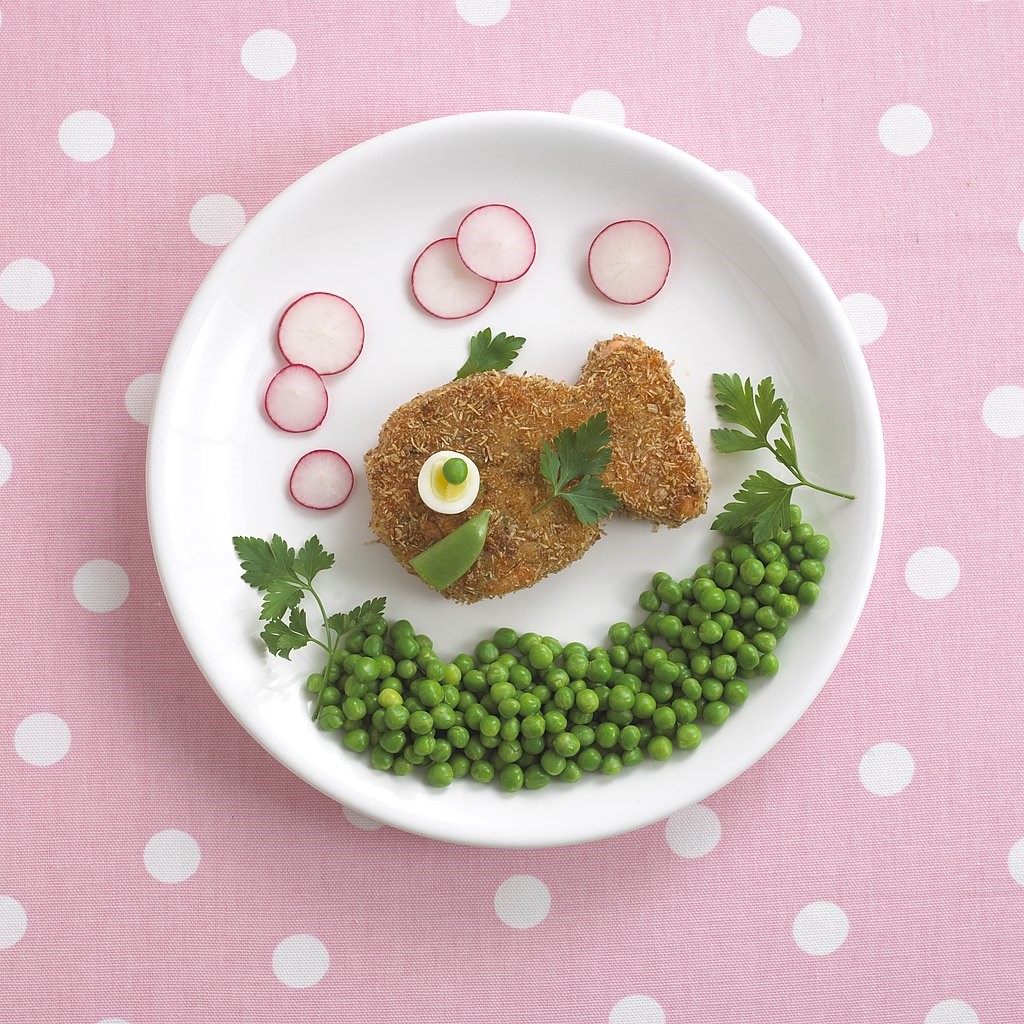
[448, 482]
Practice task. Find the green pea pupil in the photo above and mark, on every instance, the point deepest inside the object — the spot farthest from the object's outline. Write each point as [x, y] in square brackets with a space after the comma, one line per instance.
[455, 471]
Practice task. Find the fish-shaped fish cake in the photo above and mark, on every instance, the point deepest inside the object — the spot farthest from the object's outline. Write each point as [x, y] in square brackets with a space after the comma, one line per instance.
[499, 421]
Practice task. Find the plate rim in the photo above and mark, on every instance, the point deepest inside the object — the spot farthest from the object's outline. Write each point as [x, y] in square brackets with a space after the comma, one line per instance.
[762, 220]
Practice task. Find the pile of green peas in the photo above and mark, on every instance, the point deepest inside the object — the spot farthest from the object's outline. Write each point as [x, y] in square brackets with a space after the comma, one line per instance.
[523, 710]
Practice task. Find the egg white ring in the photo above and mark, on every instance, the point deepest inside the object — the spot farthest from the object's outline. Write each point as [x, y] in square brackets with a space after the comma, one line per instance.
[431, 499]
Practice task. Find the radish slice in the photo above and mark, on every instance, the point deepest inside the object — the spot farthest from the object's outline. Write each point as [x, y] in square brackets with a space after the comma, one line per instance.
[321, 479]
[296, 399]
[496, 242]
[321, 330]
[444, 286]
[629, 261]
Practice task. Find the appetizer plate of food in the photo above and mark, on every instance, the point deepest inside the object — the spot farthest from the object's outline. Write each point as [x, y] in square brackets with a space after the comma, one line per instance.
[496, 442]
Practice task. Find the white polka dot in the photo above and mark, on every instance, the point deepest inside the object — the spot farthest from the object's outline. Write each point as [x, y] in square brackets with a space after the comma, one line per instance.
[1003, 411]
[300, 961]
[268, 54]
[599, 105]
[6, 465]
[741, 181]
[171, 856]
[1015, 862]
[361, 821]
[522, 901]
[820, 928]
[13, 921]
[905, 129]
[101, 585]
[86, 135]
[25, 284]
[693, 831]
[886, 769]
[42, 739]
[951, 1011]
[482, 12]
[637, 1010]
[216, 219]
[867, 316]
[774, 31]
[932, 573]
[138, 398]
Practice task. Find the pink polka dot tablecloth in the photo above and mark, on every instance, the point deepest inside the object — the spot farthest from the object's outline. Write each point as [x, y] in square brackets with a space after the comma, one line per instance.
[156, 866]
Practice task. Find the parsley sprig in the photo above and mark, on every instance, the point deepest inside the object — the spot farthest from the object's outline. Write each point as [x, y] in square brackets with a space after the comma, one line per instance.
[572, 464]
[487, 352]
[762, 502]
[284, 576]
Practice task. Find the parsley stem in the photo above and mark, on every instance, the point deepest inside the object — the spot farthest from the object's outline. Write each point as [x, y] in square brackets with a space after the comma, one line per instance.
[804, 481]
[544, 504]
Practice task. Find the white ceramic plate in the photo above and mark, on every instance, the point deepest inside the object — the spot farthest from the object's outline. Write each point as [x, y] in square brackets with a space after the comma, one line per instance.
[742, 296]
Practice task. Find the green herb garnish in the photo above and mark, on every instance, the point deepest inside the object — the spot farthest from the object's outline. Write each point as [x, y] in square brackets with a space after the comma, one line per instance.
[284, 576]
[572, 464]
[763, 500]
[490, 353]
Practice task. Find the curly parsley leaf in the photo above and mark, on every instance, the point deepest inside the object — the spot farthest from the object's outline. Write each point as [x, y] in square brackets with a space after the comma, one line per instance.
[572, 463]
[281, 639]
[762, 502]
[358, 618]
[487, 352]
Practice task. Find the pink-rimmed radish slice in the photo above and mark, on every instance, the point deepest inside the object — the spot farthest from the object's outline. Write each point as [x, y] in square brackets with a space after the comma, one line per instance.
[629, 261]
[323, 331]
[444, 286]
[496, 243]
[296, 399]
[321, 479]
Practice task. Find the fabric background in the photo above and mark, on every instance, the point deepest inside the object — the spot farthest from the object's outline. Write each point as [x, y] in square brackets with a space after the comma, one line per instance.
[156, 866]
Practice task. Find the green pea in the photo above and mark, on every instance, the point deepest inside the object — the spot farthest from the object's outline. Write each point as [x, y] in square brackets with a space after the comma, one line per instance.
[443, 716]
[632, 757]
[331, 718]
[511, 778]
[796, 553]
[663, 718]
[700, 664]
[481, 771]
[315, 683]
[421, 723]
[606, 735]
[486, 652]
[599, 671]
[701, 586]
[713, 600]
[786, 606]
[572, 773]
[784, 538]
[540, 657]
[510, 729]
[741, 553]
[689, 638]
[688, 737]
[697, 615]
[659, 748]
[703, 572]
[619, 633]
[429, 693]
[620, 698]
[649, 601]
[791, 584]
[752, 571]
[795, 515]
[332, 695]
[774, 573]
[381, 759]
[732, 601]
[724, 667]
[748, 608]
[535, 777]
[354, 643]
[611, 764]
[781, 629]
[396, 716]
[817, 546]
[731, 640]
[710, 632]
[767, 617]
[736, 692]
[510, 751]
[618, 656]
[685, 710]
[670, 627]
[644, 705]
[666, 671]
[475, 750]
[802, 533]
[566, 744]
[357, 740]
[716, 712]
[373, 646]
[366, 670]
[766, 594]
[534, 745]
[725, 574]
[768, 665]
[764, 642]
[490, 725]
[440, 775]
[812, 569]
[555, 722]
[747, 656]
[712, 689]
[460, 765]
[668, 592]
